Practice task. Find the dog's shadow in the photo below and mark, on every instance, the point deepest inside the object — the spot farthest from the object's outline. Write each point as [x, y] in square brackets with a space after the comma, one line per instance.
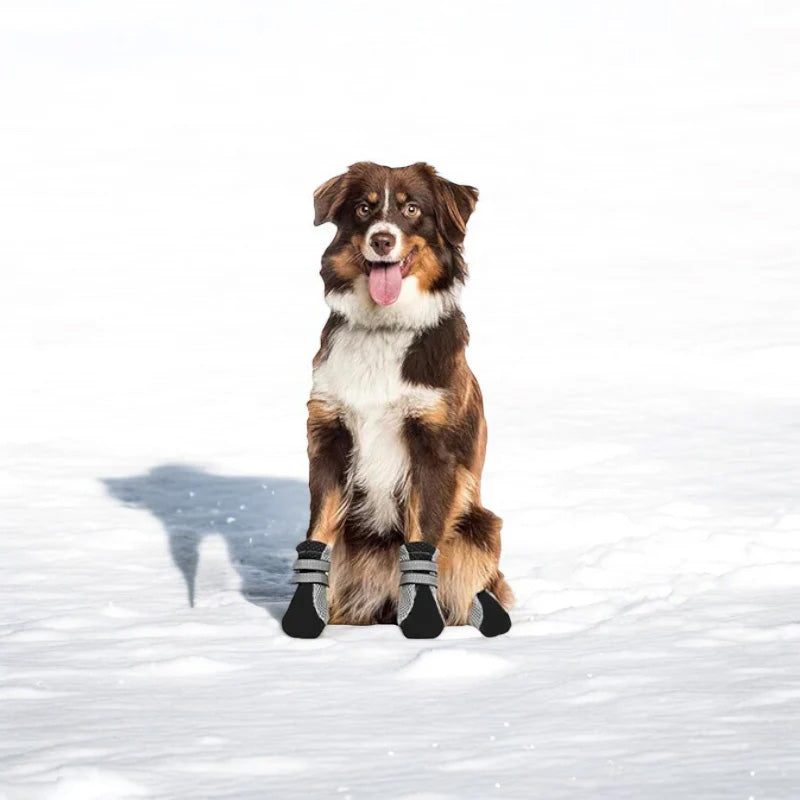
[259, 519]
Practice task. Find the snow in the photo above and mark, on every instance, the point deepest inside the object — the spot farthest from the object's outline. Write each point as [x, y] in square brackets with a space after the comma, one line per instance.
[635, 263]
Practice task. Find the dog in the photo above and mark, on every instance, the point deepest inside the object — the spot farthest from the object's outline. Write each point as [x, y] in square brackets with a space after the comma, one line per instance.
[396, 429]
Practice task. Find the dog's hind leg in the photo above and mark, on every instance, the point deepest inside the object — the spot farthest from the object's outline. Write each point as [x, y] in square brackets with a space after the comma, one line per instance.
[329, 446]
[472, 590]
[452, 542]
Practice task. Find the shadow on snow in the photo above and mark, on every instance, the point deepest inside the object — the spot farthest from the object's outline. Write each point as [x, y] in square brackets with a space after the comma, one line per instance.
[261, 519]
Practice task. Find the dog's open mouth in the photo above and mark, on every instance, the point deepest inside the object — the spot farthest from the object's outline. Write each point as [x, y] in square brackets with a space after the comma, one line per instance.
[386, 278]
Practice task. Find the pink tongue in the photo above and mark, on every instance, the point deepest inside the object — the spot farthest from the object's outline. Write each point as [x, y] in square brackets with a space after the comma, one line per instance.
[385, 284]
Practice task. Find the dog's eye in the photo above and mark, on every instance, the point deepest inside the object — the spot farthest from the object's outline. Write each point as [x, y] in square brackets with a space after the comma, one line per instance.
[362, 210]
[411, 210]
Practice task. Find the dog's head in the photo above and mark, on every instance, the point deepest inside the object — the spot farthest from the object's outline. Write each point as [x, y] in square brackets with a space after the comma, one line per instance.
[398, 231]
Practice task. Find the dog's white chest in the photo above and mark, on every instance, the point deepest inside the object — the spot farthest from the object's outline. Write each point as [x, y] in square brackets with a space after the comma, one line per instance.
[363, 377]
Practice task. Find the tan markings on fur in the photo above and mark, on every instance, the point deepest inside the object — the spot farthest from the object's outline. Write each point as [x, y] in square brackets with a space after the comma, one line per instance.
[413, 532]
[320, 414]
[464, 496]
[331, 516]
[361, 584]
[437, 416]
[464, 570]
[426, 266]
[472, 398]
[480, 452]
[401, 197]
[372, 197]
[347, 262]
[462, 386]
[502, 591]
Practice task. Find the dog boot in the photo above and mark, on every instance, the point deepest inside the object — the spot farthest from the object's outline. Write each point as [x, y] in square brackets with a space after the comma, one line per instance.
[418, 612]
[307, 614]
[488, 616]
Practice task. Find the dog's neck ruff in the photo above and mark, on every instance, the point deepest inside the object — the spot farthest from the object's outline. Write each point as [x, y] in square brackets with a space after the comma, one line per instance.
[414, 309]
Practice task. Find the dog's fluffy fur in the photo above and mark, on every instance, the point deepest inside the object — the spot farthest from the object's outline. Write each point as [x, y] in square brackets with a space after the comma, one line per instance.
[396, 432]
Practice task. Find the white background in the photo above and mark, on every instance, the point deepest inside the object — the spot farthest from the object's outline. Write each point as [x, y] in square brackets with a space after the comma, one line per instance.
[635, 260]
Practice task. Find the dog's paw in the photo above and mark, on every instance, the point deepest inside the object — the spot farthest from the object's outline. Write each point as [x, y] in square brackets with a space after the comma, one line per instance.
[488, 616]
[307, 614]
[418, 612]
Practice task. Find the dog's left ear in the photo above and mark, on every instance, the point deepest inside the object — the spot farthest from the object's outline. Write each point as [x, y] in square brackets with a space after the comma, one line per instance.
[454, 206]
[328, 199]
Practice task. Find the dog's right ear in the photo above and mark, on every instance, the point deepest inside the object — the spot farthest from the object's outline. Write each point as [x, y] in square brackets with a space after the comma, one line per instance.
[328, 199]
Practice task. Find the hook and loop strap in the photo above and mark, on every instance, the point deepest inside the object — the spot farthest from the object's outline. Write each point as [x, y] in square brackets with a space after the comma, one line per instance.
[315, 571]
[312, 563]
[418, 572]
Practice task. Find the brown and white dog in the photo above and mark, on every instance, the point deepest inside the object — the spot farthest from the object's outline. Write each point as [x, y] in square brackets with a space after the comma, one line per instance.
[396, 431]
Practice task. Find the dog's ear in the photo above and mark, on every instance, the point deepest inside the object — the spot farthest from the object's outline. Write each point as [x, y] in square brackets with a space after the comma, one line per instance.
[328, 198]
[454, 206]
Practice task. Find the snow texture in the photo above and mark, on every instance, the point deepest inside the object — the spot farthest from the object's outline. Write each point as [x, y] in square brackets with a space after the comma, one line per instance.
[635, 261]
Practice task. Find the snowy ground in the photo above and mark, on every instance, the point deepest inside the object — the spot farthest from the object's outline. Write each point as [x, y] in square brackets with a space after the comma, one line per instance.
[634, 311]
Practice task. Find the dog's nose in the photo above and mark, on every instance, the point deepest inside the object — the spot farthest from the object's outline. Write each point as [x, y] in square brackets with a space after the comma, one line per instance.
[382, 243]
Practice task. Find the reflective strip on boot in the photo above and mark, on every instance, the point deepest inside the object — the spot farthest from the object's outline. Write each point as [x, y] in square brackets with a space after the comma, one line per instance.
[414, 572]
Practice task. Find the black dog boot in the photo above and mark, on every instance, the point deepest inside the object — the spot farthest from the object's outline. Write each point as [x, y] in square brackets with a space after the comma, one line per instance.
[307, 614]
[418, 612]
[488, 616]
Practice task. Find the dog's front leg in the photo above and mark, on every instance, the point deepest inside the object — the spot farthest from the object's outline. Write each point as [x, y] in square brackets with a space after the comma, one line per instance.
[429, 505]
[329, 446]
